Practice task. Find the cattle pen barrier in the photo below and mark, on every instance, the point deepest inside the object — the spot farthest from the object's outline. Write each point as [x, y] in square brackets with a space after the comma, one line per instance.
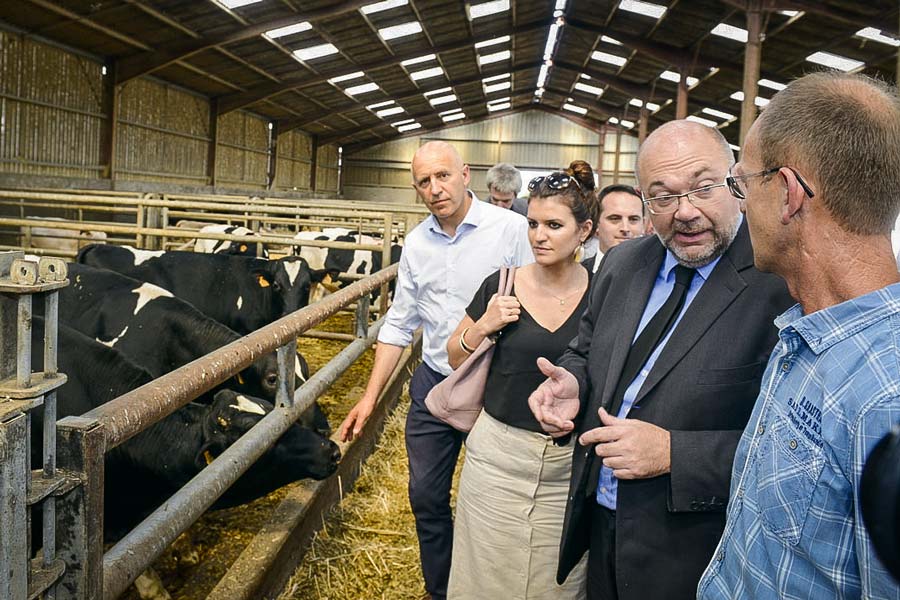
[83, 440]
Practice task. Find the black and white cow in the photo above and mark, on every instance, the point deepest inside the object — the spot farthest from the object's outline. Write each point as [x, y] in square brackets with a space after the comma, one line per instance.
[161, 332]
[241, 292]
[145, 470]
[240, 248]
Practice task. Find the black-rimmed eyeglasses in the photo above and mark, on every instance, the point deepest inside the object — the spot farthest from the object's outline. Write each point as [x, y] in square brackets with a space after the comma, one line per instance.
[736, 182]
[555, 181]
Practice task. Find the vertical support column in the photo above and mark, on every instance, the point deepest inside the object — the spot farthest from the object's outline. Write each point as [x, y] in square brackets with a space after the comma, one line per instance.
[601, 148]
[51, 339]
[643, 123]
[681, 97]
[80, 512]
[13, 519]
[109, 128]
[314, 163]
[618, 151]
[287, 358]
[388, 230]
[212, 149]
[752, 53]
[273, 156]
[362, 317]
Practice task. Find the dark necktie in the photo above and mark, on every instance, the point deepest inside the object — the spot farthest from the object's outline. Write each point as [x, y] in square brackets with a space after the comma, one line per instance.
[653, 333]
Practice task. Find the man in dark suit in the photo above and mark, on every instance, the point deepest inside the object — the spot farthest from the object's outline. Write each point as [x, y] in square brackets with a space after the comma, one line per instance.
[662, 378]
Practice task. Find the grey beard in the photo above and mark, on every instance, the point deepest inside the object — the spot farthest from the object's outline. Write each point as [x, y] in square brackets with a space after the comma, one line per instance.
[721, 241]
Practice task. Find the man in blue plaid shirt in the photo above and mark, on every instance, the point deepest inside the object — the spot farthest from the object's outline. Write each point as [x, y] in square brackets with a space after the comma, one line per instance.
[819, 178]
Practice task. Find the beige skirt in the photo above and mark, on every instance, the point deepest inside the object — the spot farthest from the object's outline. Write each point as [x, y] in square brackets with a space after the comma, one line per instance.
[509, 517]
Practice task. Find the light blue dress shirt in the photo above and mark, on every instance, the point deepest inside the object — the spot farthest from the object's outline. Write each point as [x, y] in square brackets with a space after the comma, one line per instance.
[440, 274]
[607, 485]
[830, 392]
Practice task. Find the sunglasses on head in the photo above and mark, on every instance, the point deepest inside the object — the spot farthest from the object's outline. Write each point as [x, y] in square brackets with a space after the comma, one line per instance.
[555, 181]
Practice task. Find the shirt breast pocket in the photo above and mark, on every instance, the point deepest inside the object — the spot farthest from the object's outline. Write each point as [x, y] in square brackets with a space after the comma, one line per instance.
[788, 467]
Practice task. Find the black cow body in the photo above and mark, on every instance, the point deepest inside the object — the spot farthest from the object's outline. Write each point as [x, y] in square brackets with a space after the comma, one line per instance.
[240, 292]
[145, 470]
[161, 333]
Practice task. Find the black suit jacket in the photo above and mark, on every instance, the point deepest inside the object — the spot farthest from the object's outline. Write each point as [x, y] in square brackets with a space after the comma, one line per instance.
[701, 389]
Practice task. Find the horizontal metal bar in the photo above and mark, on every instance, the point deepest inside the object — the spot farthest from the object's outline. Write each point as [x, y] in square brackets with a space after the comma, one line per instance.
[122, 565]
[165, 131]
[133, 412]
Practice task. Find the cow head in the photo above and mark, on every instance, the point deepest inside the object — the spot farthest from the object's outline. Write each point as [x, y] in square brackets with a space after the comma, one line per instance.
[288, 279]
[298, 454]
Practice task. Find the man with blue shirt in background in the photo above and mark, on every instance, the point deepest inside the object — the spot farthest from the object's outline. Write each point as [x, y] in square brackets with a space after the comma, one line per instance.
[819, 177]
[661, 380]
[445, 259]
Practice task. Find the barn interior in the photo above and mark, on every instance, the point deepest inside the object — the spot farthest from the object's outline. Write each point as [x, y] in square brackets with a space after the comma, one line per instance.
[146, 120]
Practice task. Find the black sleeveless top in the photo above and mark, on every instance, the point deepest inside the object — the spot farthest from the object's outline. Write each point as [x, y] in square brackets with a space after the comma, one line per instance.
[514, 373]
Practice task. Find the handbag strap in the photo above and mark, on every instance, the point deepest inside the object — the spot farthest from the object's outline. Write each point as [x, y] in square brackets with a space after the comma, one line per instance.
[507, 277]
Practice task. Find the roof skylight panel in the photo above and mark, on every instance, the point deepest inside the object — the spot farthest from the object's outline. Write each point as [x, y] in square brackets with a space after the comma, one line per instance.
[718, 113]
[442, 90]
[449, 112]
[418, 60]
[409, 127]
[648, 9]
[454, 117]
[487, 59]
[484, 9]
[870, 33]
[772, 85]
[575, 108]
[387, 112]
[426, 73]
[442, 99]
[498, 100]
[542, 75]
[759, 101]
[835, 61]
[364, 88]
[494, 78]
[398, 31]
[609, 40]
[676, 78]
[380, 104]
[313, 52]
[497, 87]
[731, 32]
[492, 42]
[369, 9]
[237, 3]
[702, 121]
[288, 30]
[496, 107]
[608, 58]
[589, 89]
[403, 122]
[347, 77]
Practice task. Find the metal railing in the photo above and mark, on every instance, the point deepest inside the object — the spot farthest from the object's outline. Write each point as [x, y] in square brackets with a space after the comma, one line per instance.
[79, 568]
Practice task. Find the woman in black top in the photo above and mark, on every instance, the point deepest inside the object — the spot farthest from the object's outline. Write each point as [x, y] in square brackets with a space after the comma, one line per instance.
[513, 487]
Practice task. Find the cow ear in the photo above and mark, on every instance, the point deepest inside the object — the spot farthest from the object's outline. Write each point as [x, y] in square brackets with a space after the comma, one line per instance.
[262, 280]
[318, 275]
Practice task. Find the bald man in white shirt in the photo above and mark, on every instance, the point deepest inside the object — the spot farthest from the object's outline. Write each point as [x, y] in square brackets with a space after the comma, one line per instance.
[445, 258]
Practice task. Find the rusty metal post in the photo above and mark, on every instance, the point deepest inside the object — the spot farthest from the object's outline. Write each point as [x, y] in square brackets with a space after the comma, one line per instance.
[80, 512]
[362, 317]
[388, 233]
[287, 358]
[14, 541]
[643, 124]
[752, 55]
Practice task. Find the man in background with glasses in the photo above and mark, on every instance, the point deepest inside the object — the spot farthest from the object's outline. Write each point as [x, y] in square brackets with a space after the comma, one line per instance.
[662, 377]
[819, 177]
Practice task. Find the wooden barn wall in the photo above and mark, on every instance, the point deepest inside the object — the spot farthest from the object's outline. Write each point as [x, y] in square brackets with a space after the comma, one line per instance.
[242, 156]
[51, 110]
[532, 141]
[163, 134]
[294, 160]
[327, 171]
[619, 170]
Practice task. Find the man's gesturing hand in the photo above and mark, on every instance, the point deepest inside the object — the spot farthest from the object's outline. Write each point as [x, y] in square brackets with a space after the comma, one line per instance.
[632, 449]
[555, 402]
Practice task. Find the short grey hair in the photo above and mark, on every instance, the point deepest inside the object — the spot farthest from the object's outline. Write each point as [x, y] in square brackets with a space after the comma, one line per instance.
[845, 130]
[504, 178]
[714, 134]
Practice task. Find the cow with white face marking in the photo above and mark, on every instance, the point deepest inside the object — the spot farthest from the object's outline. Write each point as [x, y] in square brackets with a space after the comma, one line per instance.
[161, 332]
[148, 468]
[241, 292]
[240, 248]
